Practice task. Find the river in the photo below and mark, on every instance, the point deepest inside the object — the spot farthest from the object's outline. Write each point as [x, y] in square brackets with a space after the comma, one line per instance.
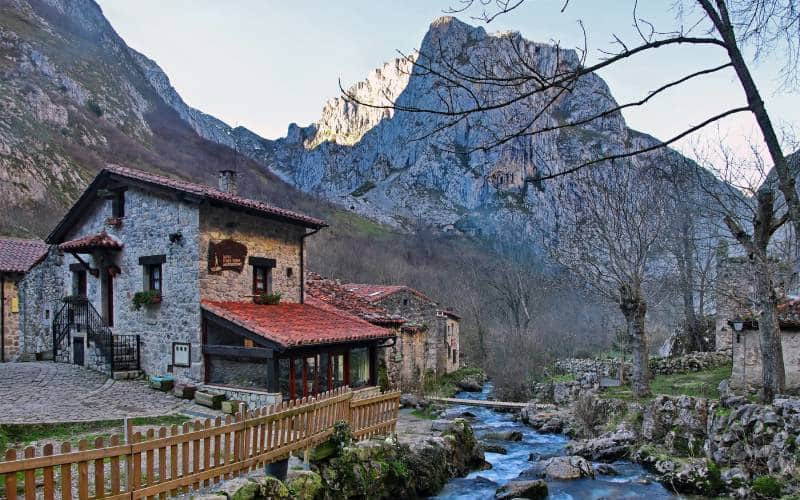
[631, 482]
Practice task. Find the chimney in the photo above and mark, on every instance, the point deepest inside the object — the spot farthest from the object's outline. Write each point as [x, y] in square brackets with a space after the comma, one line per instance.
[227, 181]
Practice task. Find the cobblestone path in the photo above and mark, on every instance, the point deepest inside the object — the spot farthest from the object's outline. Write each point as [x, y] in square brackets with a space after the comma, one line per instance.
[58, 392]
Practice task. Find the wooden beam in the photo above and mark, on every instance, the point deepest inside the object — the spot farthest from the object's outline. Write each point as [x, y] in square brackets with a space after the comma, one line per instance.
[238, 351]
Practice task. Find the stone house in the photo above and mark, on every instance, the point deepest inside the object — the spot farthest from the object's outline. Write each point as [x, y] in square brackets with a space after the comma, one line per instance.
[435, 347]
[16, 258]
[165, 276]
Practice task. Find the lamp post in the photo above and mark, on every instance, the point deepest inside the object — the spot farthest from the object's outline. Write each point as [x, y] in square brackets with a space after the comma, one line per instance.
[738, 325]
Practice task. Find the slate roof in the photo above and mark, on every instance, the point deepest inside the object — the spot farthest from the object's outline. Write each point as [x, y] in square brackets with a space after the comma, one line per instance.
[18, 255]
[92, 242]
[295, 325]
[329, 294]
[375, 293]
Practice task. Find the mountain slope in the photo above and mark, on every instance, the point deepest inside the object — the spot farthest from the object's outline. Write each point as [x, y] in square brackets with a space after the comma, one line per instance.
[74, 97]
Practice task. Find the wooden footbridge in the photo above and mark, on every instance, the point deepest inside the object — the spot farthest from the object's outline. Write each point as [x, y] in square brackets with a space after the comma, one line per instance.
[486, 403]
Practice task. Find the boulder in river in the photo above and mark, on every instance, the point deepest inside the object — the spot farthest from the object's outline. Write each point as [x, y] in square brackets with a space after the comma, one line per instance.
[606, 448]
[504, 436]
[494, 448]
[522, 489]
[470, 384]
[569, 467]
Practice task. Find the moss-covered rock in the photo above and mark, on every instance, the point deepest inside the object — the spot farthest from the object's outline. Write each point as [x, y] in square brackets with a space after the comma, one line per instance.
[272, 488]
[240, 489]
[306, 485]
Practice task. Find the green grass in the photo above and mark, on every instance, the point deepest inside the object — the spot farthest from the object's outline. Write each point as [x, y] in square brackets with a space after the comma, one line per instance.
[165, 420]
[25, 434]
[426, 413]
[698, 384]
[445, 385]
[564, 377]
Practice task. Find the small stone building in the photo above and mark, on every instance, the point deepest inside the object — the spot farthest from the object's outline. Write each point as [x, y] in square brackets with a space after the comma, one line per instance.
[746, 347]
[16, 258]
[735, 306]
[154, 274]
[435, 347]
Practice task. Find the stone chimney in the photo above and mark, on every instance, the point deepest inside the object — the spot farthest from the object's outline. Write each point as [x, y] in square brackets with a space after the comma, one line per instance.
[227, 181]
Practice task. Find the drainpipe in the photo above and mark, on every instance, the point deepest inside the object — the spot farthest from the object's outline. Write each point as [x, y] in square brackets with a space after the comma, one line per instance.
[302, 264]
[2, 318]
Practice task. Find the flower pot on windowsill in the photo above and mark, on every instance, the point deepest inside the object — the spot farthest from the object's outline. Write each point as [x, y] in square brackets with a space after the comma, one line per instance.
[114, 222]
[267, 299]
[147, 298]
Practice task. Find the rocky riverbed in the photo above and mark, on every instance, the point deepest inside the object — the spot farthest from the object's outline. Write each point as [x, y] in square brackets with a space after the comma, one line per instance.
[539, 455]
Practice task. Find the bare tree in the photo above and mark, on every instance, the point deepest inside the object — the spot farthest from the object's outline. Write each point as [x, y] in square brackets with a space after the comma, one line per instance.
[751, 208]
[608, 232]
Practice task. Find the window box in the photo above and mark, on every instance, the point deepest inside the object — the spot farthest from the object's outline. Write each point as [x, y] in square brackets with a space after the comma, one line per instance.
[147, 298]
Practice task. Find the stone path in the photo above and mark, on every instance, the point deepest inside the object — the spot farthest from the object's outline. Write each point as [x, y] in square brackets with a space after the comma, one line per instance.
[58, 392]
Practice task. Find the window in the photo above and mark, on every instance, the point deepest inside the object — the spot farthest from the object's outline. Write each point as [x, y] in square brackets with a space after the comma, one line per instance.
[359, 367]
[262, 274]
[154, 277]
[118, 204]
[153, 273]
[262, 280]
[79, 282]
[289, 272]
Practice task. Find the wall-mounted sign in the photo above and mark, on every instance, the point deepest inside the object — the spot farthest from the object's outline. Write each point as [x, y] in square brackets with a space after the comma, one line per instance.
[227, 255]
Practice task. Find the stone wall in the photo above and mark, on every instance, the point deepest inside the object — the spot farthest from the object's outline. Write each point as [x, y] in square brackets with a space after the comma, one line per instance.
[254, 398]
[40, 293]
[270, 239]
[427, 350]
[145, 230]
[733, 290]
[11, 317]
[747, 359]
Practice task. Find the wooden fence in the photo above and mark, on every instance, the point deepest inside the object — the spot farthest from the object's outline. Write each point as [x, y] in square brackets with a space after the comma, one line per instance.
[167, 462]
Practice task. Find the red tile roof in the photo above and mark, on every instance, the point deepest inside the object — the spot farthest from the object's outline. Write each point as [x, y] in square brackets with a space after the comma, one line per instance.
[294, 325]
[18, 255]
[375, 293]
[213, 194]
[91, 242]
[331, 295]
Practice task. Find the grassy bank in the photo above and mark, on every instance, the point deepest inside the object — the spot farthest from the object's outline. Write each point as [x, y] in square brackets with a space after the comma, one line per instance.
[21, 435]
[446, 386]
[698, 384]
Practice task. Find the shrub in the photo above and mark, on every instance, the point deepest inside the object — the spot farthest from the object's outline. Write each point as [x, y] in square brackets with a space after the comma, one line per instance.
[767, 487]
[383, 376]
[588, 412]
[268, 298]
[146, 298]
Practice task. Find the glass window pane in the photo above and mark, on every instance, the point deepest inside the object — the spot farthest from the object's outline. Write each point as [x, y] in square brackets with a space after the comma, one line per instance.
[337, 370]
[283, 376]
[311, 375]
[322, 372]
[359, 367]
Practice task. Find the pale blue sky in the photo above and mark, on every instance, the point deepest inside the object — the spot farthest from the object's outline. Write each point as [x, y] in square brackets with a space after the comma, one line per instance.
[265, 64]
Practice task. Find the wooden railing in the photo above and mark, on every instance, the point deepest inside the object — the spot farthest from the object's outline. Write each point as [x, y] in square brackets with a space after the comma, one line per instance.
[164, 462]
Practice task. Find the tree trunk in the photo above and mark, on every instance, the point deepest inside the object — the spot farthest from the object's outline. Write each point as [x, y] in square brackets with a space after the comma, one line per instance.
[634, 310]
[773, 374]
